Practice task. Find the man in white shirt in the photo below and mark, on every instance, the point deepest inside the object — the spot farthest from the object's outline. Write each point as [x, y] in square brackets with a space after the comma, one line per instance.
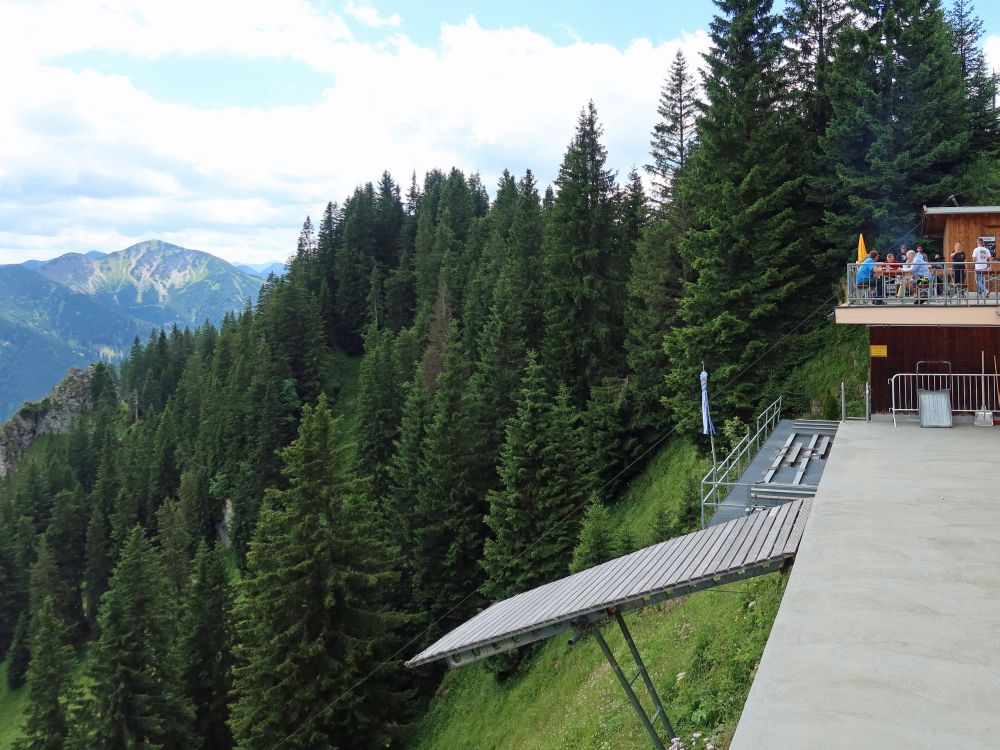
[981, 257]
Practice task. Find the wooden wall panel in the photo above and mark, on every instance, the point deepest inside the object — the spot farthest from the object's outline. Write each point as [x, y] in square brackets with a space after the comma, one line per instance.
[908, 345]
[965, 228]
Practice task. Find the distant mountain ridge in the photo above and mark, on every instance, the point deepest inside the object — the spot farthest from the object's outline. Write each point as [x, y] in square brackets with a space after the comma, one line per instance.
[263, 269]
[157, 282]
[46, 328]
[83, 307]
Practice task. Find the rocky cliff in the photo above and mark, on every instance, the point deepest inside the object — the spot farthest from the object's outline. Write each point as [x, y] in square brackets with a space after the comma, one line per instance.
[54, 413]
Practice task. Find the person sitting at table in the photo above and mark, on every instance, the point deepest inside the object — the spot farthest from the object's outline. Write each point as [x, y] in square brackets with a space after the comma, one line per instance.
[905, 271]
[958, 270]
[868, 278]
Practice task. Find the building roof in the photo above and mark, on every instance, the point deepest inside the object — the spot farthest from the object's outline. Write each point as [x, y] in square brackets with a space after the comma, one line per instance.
[963, 210]
[748, 546]
[933, 219]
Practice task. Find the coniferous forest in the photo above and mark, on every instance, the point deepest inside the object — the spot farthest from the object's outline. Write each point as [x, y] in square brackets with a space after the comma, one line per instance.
[255, 524]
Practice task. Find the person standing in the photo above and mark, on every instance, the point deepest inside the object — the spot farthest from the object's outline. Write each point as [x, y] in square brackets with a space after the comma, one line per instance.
[981, 257]
[958, 270]
[921, 276]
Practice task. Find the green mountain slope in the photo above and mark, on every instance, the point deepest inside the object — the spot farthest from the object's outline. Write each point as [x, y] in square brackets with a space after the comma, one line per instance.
[46, 328]
[157, 282]
[78, 308]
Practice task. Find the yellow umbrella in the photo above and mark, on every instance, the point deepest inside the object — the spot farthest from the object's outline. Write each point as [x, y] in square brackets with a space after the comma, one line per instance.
[862, 253]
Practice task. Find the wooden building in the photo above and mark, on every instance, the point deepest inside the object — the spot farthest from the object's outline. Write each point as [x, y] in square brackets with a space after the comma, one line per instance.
[946, 333]
[962, 224]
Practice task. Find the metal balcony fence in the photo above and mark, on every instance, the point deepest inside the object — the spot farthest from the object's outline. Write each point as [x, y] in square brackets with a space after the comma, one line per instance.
[933, 284]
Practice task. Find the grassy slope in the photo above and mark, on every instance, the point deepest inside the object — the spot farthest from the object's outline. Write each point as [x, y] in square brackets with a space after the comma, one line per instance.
[842, 356]
[12, 704]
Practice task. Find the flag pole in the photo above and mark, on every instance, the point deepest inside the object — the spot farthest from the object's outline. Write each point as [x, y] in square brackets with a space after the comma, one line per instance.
[708, 428]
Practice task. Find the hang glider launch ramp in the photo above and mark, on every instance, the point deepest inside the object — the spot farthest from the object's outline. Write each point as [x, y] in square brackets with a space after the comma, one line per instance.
[760, 543]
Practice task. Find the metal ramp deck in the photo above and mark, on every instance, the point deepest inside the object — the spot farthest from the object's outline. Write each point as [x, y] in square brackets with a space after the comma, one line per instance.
[743, 548]
[787, 467]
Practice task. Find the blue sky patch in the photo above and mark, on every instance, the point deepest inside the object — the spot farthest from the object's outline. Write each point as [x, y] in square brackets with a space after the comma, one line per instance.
[210, 80]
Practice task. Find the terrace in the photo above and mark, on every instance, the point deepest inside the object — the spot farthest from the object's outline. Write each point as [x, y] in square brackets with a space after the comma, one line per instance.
[948, 296]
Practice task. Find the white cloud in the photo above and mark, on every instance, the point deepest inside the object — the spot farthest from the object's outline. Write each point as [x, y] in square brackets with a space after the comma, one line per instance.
[991, 48]
[91, 161]
[149, 29]
[369, 15]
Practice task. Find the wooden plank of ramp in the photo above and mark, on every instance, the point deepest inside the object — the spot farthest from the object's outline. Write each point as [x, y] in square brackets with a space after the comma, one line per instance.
[741, 548]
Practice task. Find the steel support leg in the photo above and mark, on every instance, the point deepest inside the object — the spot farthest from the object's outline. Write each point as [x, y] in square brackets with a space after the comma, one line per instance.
[657, 742]
[645, 675]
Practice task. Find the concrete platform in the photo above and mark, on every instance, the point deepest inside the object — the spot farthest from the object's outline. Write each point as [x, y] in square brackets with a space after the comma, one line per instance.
[888, 635]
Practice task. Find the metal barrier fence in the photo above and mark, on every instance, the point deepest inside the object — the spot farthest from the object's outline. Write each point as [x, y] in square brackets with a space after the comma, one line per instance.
[720, 479]
[940, 284]
[968, 392]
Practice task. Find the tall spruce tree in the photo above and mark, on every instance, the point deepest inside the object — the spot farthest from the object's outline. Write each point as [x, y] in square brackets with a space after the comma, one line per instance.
[447, 518]
[812, 29]
[311, 621]
[99, 545]
[66, 537]
[585, 268]
[19, 655]
[137, 697]
[206, 647]
[674, 133]
[981, 183]
[11, 602]
[535, 516]
[980, 81]
[45, 725]
[379, 409]
[404, 469]
[899, 131]
[752, 278]
[174, 538]
[654, 290]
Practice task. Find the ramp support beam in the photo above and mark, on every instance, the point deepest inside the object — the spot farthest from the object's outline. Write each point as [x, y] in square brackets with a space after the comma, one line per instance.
[627, 685]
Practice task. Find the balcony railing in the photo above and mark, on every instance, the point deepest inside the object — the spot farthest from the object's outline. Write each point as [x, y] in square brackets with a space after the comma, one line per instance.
[928, 283]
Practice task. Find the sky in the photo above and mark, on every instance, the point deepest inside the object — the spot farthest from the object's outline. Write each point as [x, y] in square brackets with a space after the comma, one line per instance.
[220, 125]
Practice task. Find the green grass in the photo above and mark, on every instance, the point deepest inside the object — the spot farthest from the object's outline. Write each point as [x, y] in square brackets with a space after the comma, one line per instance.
[660, 486]
[842, 356]
[568, 697]
[12, 705]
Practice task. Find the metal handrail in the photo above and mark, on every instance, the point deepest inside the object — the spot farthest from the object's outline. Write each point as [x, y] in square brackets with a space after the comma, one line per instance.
[968, 392]
[739, 457]
[946, 284]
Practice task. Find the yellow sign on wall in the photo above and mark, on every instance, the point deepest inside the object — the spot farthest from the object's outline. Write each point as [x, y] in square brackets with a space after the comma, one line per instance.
[879, 350]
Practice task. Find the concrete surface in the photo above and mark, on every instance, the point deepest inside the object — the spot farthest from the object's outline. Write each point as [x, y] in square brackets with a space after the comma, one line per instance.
[888, 635]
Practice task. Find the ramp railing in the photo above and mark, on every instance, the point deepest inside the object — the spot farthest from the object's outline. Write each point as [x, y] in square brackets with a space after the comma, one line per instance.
[720, 479]
[968, 392]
